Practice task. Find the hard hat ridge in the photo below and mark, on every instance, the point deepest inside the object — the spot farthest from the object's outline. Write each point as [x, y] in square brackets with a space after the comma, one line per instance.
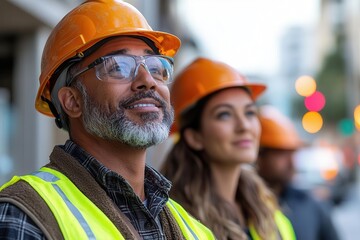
[278, 131]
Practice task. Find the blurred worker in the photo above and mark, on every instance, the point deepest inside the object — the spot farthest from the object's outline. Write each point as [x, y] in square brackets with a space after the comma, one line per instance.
[219, 133]
[104, 77]
[279, 140]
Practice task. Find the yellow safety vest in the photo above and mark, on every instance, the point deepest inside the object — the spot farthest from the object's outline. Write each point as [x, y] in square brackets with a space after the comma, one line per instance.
[284, 225]
[79, 218]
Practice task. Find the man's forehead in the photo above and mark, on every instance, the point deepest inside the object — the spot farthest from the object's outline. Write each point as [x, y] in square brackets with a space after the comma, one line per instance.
[124, 45]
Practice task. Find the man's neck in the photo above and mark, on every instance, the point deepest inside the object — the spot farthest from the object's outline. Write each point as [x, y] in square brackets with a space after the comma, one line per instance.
[128, 162]
[276, 188]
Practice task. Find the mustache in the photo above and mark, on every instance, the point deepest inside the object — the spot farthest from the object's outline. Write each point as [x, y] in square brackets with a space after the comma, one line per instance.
[138, 96]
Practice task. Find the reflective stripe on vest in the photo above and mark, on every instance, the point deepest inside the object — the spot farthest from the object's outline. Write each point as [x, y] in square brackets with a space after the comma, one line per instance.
[283, 224]
[71, 207]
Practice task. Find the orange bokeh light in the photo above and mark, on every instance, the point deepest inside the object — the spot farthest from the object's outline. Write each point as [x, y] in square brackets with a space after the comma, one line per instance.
[357, 117]
[312, 122]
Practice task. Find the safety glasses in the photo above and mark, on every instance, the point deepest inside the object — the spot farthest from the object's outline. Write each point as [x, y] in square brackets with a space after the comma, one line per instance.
[122, 68]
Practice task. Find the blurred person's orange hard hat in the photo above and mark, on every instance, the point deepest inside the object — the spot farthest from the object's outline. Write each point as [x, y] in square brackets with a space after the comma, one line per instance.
[82, 28]
[278, 131]
[201, 78]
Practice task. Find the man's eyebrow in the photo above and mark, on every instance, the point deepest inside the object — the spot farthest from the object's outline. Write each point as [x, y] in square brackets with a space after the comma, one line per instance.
[126, 50]
[121, 51]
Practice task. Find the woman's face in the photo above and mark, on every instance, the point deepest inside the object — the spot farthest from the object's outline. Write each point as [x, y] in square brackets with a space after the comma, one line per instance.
[230, 128]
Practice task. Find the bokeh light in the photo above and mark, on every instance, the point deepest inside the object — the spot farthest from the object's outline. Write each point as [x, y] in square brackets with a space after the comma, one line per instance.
[329, 174]
[312, 122]
[357, 117]
[315, 102]
[305, 86]
[346, 127]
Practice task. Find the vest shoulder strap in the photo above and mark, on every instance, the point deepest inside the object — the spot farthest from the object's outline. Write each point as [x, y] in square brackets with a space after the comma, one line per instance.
[191, 228]
[283, 224]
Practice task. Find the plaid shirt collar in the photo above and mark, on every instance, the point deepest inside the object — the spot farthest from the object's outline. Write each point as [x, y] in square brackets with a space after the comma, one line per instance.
[119, 190]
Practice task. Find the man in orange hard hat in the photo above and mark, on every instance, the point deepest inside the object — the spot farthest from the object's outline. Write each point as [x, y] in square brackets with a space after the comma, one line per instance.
[104, 77]
[278, 142]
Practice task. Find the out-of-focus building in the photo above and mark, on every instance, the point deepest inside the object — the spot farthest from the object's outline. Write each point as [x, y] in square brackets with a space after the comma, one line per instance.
[26, 136]
[304, 51]
[342, 17]
[297, 57]
[351, 22]
[329, 51]
[338, 31]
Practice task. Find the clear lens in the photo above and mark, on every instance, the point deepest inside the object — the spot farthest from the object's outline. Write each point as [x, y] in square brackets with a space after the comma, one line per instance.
[158, 67]
[118, 68]
[123, 67]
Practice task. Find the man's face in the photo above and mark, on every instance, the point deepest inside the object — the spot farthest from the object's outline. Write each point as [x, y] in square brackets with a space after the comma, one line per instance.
[137, 113]
[276, 166]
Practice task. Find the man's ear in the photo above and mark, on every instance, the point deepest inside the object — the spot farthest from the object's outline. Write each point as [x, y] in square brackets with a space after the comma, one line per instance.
[193, 138]
[70, 101]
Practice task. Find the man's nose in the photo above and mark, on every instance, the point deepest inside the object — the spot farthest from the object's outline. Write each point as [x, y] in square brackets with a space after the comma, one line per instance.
[143, 79]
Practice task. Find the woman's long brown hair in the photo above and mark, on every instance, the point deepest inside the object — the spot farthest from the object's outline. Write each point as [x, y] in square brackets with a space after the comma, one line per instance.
[194, 189]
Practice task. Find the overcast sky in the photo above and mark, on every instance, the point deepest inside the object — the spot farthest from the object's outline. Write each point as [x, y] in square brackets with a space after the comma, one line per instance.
[245, 33]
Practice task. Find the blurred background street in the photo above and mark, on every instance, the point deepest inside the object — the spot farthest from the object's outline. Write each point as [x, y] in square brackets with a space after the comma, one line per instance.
[346, 216]
[306, 51]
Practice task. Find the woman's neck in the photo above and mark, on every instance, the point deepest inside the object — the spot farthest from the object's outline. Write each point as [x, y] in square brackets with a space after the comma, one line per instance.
[226, 179]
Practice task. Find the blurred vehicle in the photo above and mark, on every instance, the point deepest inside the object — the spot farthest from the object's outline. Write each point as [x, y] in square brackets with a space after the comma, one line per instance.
[322, 171]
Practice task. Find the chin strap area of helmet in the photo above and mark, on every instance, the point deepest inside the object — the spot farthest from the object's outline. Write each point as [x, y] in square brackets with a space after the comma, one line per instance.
[54, 112]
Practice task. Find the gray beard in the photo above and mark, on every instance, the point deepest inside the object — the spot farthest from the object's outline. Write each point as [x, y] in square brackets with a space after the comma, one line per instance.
[116, 126]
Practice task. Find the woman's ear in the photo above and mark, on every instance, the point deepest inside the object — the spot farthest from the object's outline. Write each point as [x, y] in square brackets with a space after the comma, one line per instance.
[193, 138]
[70, 101]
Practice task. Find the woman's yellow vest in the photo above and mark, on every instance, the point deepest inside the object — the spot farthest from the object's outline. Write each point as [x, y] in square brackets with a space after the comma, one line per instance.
[283, 224]
[79, 218]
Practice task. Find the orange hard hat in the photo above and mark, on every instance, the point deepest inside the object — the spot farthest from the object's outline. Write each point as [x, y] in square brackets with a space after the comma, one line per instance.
[277, 130]
[203, 77]
[84, 26]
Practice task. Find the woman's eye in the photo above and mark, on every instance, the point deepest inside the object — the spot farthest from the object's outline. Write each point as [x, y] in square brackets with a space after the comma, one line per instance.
[251, 113]
[223, 115]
